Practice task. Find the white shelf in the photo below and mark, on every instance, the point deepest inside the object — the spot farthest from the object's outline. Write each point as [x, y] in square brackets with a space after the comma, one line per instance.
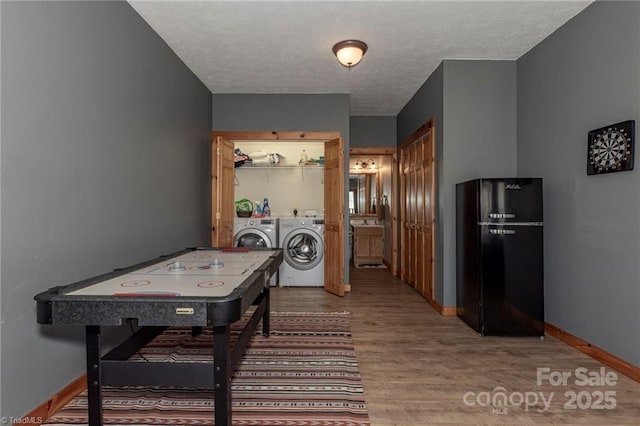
[287, 167]
[280, 167]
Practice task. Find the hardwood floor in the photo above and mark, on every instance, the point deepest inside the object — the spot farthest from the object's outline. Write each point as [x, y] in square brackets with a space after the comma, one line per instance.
[419, 367]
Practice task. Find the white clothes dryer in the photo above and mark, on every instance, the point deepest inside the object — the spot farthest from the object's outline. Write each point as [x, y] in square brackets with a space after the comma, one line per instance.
[252, 232]
[302, 240]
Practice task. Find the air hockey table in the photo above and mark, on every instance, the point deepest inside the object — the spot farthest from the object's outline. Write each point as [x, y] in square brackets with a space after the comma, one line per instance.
[197, 287]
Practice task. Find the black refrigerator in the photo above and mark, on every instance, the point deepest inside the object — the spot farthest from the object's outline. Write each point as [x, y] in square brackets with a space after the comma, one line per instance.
[499, 256]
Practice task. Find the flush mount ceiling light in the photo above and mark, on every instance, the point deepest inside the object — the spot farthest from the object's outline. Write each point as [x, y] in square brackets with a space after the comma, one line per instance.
[349, 52]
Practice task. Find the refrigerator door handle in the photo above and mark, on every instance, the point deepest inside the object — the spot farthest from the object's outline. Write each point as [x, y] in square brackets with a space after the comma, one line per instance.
[510, 224]
[502, 215]
[502, 231]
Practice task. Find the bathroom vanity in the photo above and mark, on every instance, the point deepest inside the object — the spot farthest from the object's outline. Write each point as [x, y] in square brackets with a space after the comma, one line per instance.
[368, 244]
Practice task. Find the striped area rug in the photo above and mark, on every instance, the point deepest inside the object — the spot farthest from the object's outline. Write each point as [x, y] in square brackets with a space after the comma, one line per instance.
[305, 373]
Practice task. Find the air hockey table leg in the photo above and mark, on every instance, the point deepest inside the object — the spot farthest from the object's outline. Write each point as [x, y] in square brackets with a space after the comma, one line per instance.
[222, 372]
[94, 391]
[266, 325]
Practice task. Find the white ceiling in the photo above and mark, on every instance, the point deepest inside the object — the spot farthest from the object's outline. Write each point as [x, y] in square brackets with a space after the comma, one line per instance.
[285, 46]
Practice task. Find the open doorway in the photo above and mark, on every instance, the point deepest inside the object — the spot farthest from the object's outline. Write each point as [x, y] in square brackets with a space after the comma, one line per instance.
[223, 183]
[372, 179]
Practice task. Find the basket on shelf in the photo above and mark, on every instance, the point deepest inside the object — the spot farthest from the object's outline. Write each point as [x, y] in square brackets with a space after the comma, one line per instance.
[244, 208]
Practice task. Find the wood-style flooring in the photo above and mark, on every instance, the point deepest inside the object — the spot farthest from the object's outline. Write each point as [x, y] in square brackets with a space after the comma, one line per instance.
[421, 368]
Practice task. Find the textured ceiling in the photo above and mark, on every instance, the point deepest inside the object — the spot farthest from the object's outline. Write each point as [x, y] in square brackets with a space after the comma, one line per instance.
[285, 46]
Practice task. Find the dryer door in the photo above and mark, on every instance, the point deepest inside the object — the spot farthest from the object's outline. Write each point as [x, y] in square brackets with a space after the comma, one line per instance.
[252, 238]
[303, 249]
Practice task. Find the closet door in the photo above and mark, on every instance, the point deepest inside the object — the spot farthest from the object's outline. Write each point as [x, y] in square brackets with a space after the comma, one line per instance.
[419, 224]
[409, 254]
[413, 199]
[222, 192]
[417, 214]
[404, 211]
[429, 220]
[334, 217]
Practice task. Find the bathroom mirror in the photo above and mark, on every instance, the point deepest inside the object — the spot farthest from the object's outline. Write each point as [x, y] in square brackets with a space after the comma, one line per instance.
[364, 194]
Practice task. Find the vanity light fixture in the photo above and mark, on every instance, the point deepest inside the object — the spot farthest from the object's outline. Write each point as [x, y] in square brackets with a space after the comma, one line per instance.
[350, 52]
[369, 164]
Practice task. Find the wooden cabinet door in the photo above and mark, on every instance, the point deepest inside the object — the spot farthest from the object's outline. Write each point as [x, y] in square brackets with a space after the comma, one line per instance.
[376, 247]
[368, 245]
[361, 246]
[334, 217]
[223, 208]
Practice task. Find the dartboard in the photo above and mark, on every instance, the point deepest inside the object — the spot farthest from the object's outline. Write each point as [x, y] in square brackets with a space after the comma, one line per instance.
[610, 148]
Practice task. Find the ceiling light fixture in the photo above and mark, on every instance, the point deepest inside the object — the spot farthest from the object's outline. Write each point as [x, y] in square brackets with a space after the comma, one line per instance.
[350, 52]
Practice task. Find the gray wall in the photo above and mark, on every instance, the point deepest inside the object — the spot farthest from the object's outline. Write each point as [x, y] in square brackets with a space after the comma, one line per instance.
[247, 112]
[105, 163]
[592, 232]
[282, 112]
[474, 106]
[373, 131]
[479, 140]
[1, 316]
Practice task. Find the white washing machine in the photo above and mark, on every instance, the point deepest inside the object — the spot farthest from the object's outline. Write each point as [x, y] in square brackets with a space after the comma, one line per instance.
[302, 240]
[255, 232]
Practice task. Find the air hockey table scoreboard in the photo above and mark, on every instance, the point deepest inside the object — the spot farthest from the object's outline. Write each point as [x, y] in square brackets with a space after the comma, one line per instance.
[198, 287]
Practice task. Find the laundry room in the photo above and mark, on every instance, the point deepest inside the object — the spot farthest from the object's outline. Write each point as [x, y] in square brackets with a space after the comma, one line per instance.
[288, 173]
[279, 197]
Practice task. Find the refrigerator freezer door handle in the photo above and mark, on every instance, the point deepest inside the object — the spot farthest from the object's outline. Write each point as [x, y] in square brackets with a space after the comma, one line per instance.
[502, 215]
[510, 224]
[502, 231]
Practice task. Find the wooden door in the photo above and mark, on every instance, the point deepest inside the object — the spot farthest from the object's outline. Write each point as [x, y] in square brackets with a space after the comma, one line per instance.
[413, 259]
[429, 214]
[395, 217]
[223, 210]
[419, 220]
[404, 199]
[334, 217]
[417, 177]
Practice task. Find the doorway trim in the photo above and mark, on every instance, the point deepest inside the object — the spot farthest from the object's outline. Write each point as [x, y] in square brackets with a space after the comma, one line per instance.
[275, 135]
[392, 153]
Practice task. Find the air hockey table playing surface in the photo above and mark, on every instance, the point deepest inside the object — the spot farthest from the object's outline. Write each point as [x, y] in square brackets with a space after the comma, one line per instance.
[195, 287]
[201, 274]
[199, 287]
